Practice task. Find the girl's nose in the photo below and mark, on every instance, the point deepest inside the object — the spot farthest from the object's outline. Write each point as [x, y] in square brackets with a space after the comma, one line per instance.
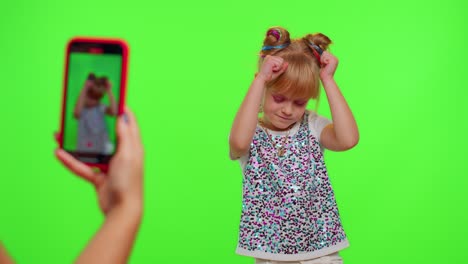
[287, 109]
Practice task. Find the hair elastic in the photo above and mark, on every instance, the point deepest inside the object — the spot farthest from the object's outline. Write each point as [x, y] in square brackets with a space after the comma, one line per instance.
[275, 47]
[276, 33]
[316, 50]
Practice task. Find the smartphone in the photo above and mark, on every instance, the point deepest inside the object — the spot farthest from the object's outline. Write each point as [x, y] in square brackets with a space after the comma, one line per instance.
[94, 90]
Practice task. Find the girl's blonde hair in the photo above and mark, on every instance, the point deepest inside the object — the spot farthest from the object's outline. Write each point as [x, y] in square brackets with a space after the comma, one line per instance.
[301, 78]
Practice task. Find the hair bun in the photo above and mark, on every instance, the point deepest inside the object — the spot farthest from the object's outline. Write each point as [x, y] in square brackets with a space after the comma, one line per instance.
[318, 39]
[276, 39]
[276, 36]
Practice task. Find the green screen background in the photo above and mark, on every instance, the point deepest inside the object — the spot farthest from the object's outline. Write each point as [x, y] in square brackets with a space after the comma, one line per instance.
[401, 191]
[81, 65]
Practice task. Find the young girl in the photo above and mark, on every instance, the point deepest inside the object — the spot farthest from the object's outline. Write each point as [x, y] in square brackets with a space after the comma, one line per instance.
[93, 135]
[289, 212]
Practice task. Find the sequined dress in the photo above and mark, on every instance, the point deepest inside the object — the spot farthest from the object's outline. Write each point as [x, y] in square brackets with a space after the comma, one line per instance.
[289, 210]
[93, 136]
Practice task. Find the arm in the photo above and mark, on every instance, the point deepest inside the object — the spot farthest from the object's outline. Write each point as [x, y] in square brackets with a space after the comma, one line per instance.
[343, 133]
[81, 100]
[112, 109]
[4, 257]
[245, 122]
[114, 240]
[120, 195]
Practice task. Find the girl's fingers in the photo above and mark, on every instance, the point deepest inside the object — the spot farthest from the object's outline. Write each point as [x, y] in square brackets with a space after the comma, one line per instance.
[77, 167]
[284, 67]
[328, 58]
[279, 66]
[281, 70]
[278, 62]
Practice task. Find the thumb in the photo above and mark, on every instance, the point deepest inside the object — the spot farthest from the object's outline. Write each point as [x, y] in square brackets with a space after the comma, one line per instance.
[123, 132]
[284, 67]
[324, 62]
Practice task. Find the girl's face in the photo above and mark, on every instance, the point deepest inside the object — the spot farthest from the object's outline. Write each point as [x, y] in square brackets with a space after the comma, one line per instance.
[95, 93]
[281, 111]
[90, 102]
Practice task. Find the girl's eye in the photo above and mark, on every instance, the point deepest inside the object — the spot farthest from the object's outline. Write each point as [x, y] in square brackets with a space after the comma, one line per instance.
[278, 98]
[300, 103]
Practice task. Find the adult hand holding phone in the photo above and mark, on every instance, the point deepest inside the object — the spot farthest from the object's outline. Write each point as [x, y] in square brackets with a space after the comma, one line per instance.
[119, 194]
[120, 197]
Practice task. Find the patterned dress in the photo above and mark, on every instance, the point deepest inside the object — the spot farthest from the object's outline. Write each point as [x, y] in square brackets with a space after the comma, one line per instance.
[289, 210]
[93, 135]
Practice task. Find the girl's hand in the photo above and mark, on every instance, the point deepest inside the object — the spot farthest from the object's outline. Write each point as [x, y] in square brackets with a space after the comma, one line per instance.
[88, 84]
[272, 67]
[121, 186]
[108, 85]
[329, 65]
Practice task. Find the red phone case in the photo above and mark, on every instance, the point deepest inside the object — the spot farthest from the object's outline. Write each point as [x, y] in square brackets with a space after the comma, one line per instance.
[123, 83]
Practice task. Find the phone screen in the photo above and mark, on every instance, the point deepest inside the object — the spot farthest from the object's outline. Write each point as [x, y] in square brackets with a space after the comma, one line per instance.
[92, 100]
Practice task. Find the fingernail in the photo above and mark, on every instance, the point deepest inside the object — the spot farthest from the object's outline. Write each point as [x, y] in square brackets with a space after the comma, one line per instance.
[125, 118]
